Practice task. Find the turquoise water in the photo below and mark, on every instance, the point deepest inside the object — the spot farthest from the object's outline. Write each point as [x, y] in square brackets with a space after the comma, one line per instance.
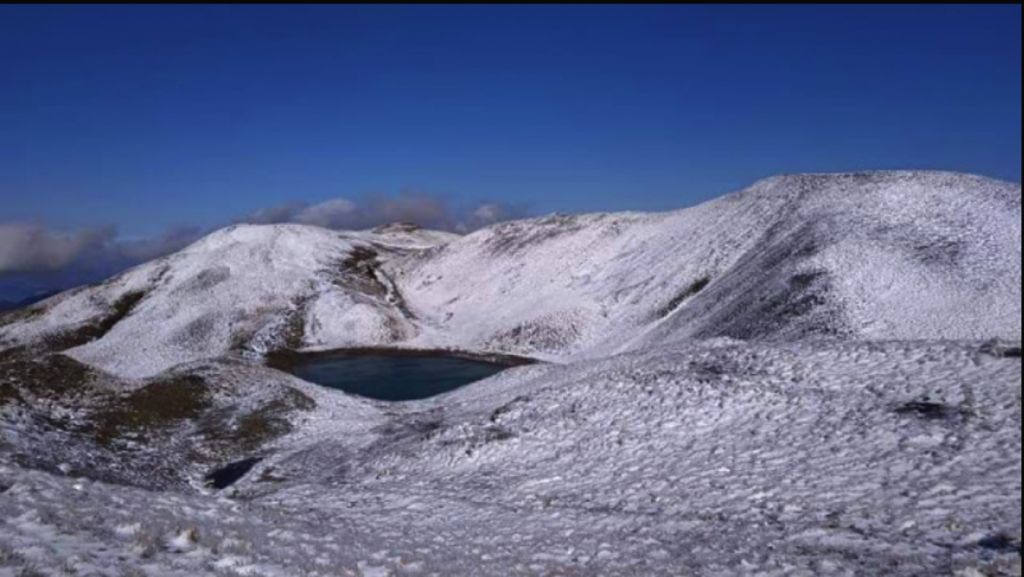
[394, 378]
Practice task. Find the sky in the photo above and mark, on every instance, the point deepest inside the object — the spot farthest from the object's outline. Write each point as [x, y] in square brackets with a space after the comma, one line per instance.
[139, 124]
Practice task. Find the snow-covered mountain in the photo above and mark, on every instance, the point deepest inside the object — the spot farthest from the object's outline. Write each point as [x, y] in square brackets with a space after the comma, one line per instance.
[819, 375]
[887, 255]
[859, 256]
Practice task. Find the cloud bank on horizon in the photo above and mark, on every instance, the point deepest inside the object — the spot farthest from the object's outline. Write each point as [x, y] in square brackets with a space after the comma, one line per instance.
[428, 211]
[34, 249]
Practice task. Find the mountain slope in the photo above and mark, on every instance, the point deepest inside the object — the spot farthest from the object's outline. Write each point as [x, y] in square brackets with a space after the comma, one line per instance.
[712, 458]
[879, 256]
[886, 255]
[245, 290]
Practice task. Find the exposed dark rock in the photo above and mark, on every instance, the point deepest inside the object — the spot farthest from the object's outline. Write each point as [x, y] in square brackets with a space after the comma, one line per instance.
[1001, 543]
[496, 434]
[1001, 350]
[503, 410]
[358, 272]
[230, 474]
[691, 291]
[929, 410]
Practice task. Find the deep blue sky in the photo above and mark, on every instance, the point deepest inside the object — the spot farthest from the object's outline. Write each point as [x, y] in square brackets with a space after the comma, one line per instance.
[147, 117]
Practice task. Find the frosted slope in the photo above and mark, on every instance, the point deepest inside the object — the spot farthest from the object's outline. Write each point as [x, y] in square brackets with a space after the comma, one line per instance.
[708, 459]
[865, 256]
[246, 290]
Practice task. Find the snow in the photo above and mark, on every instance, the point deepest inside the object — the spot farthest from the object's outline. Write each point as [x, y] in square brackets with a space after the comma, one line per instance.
[795, 379]
[889, 255]
[716, 458]
[230, 293]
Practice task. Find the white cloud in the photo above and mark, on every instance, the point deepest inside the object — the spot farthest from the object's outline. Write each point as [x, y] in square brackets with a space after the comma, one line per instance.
[29, 247]
[331, 214]
[422, 209]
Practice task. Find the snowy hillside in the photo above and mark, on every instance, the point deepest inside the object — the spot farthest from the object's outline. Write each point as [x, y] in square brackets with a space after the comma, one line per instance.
[818, 375]
[707, 459]
[242, 290]
[877, 256]
[860, 256]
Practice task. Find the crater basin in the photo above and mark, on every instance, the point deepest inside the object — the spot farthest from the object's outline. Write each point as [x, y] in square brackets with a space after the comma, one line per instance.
[393, 377]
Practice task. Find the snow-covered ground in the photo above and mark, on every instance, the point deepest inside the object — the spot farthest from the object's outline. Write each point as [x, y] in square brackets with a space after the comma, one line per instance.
[719, 458]
[796, 379]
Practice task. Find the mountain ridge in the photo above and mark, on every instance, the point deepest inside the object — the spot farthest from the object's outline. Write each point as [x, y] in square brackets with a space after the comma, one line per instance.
[871, 255]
